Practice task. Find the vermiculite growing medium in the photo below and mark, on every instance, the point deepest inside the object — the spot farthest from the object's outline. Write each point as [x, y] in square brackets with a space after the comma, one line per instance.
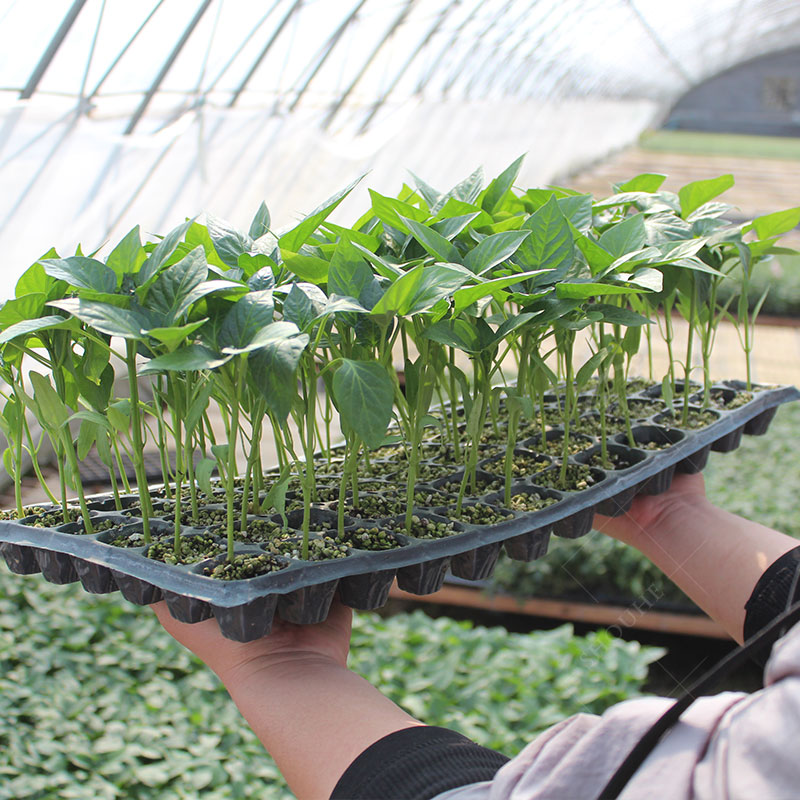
[442, 334]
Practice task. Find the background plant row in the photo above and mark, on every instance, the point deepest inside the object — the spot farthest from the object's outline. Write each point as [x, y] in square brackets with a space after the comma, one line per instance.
[89, 707]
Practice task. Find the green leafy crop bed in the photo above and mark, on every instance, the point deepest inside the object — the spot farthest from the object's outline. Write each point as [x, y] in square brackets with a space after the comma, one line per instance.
[97, 702]
[598, 567]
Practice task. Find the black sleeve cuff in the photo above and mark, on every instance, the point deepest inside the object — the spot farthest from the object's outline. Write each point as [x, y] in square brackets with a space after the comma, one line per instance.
[771, 595]
[417, 764]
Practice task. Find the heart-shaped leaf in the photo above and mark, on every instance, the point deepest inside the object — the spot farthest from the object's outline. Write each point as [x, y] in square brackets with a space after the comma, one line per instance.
[81, 272]
[364, 392]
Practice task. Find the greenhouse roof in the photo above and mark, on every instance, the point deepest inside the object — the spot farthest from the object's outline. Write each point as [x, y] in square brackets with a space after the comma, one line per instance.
[114, 112]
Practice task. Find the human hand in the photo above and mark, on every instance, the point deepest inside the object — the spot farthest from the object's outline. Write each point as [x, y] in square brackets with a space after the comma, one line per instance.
[326, 641]
[648, 512]
[312, 714]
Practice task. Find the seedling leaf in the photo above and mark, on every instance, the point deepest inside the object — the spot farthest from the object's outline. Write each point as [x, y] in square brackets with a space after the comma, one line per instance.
[364, 393]
[696, 193]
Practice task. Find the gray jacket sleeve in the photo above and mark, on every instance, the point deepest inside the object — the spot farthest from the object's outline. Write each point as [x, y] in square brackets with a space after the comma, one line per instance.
[731, 745]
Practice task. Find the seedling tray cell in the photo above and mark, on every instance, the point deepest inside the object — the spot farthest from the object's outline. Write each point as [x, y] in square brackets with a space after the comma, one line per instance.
[302, 591]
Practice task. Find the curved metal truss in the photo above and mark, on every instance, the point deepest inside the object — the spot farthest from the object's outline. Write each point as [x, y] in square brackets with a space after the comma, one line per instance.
[353, 57]
[110, 107]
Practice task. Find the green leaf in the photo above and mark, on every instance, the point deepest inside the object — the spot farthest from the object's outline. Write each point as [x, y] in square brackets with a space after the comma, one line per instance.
[620, 316]
[203, 471]
[257, 264]
[510, 325]
[338, 305]
[694, 264]
[646, 182]
[251, 312]
[457, 210]
[232, 289]
[104, 451]
[550, 244]
[348, 275]
[221, 452]
[261, 221]
[163, 250]
[87, 434]
[780, 222]
[197, 406]
[583, 291]
[8, 463]
[431, 196]
[276, 496]
[467, 295]
[119, 414]
[494, 250]
[304, 304]
[631, 340]
[35, 279]
[433, 242]
[597, 257]
[357, 237]
[420, 289]
[540, 366]
[51, 410]
[468, 190]
[536, 198]
[172, 336]
[382, 267]
[83, 273]
[710, 211]
[262, 279]
[273, 368]
[294, 239]
[171, 292]
[229, 242]
[623, 237]
[128, 256]
[497, 189]
[186, 359]
[450, 227]
[127, 323]
[27, 327]
[308, 268]
[696, 193]
[392, 212]
[646, 278]
[364, 393]
[470, 336]
[578, 210]
[265, 336]
[22, 309]
[10, 419]
[585, 373]
[95, 391]
[411, 376]
[94, 418]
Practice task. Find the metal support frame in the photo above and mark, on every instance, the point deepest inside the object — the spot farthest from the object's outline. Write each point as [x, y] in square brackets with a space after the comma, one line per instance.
[342, 99]
[262, 55]
[659, 43]
[162, 73]
[326, 51]
[440, 20]
[52, 49]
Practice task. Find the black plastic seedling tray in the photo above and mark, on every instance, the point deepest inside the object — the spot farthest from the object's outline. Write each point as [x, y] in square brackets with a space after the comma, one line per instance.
[302, 591]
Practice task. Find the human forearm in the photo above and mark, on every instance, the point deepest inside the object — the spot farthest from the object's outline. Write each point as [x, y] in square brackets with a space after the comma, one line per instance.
[313, 716]
[714, 556]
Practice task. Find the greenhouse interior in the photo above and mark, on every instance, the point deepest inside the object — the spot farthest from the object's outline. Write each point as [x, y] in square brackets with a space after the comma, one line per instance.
[428, 309]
